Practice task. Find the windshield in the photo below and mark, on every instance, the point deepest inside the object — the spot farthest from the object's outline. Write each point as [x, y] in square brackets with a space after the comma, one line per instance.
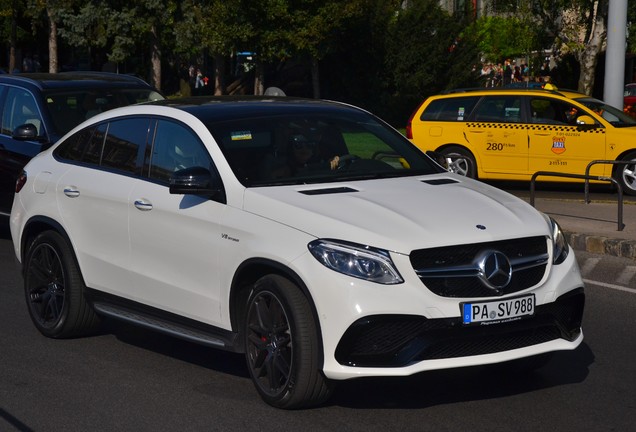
[615, 116]
[69, 108]
[317, 147]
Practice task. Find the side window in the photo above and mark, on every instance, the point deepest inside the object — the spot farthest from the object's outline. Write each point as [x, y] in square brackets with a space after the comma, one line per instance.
[451, 109]
[20, 108]
[123, 143]
[175, 147]
[552, 111]
[499, 109]
[83, 146]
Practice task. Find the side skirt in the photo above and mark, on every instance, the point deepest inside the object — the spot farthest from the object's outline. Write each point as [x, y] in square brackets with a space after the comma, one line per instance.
[164, 322]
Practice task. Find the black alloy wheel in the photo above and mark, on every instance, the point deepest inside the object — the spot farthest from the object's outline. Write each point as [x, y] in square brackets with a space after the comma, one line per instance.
[282, 345]
[54, 289]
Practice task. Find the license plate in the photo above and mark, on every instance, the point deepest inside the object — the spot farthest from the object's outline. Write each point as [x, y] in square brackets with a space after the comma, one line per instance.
[499, 311]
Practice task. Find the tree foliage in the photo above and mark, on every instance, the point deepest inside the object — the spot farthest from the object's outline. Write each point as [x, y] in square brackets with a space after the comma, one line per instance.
[430, 50]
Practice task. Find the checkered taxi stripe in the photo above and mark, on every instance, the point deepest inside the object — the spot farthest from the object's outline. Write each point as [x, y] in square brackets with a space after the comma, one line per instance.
[538, 127]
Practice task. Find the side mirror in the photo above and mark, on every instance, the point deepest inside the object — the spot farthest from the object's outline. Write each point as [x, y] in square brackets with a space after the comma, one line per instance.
[585, 122]
[25, 132]
[195, 181]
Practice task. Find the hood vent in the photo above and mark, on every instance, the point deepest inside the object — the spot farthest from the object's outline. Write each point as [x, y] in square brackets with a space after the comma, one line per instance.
[327, 191]
[438, 182]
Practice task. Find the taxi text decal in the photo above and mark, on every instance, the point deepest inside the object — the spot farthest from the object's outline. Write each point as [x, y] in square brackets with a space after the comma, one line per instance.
[558, 144]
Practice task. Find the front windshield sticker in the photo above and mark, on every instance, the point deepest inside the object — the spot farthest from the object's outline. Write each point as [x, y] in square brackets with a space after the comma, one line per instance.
[241, 135]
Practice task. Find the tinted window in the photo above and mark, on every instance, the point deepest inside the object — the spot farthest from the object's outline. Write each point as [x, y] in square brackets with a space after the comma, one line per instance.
[500, 109]
[20, 108]
[175, 147]
[451, 109]
[83, 146]
[552, 111]
[70, 108]
[123, 142]
[312, 147]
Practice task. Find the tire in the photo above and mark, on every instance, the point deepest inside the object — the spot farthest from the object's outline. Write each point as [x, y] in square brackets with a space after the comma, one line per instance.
[282, 346]
[460, 161]
[626, 174]
[54, 289]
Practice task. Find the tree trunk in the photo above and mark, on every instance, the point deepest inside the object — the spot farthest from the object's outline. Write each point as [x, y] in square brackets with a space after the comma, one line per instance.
[155, 56]
[53, 60]
[315, 77]
[14, 38]
[219, 74]
[588, 58]
[259, 78]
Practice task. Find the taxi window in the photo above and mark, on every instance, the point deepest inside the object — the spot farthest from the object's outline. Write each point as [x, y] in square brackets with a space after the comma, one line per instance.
[450, 109]
[553, 111]
[499, 109]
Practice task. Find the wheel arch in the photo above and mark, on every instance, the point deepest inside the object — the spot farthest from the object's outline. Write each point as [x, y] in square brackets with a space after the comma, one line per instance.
[244, 278]
[620, 157]
[37, 225]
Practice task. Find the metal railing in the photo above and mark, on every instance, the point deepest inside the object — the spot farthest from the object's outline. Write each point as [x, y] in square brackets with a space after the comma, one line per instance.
[587, 178]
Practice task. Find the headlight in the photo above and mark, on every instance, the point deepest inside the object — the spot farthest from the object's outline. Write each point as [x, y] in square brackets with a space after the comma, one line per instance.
[359, 261]
[560, 247]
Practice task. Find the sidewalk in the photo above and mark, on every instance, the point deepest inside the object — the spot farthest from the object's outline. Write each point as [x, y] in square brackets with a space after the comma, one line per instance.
[593, 227]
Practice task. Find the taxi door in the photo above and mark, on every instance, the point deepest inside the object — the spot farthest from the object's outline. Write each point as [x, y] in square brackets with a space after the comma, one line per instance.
[557, 144]
[497, 135]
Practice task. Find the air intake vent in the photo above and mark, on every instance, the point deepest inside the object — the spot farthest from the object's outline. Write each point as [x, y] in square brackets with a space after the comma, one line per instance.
[334, 190]
[442, 181]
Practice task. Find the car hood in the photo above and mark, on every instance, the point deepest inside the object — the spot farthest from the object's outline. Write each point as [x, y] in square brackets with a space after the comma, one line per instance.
[400, 214]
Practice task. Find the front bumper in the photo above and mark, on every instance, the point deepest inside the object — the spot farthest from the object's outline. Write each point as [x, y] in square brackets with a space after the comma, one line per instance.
[401, 340]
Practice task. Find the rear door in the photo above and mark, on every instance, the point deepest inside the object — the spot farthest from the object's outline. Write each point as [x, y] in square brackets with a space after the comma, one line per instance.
[93, 198]
[497, 135]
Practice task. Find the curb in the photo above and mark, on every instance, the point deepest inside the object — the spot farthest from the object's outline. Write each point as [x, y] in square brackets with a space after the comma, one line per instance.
[602, 245]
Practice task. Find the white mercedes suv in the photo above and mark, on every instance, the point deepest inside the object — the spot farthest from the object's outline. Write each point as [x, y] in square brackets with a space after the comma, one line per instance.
[307, 234]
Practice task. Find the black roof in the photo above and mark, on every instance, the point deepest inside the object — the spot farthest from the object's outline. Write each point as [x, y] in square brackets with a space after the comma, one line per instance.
[231, 107]
[65, 80]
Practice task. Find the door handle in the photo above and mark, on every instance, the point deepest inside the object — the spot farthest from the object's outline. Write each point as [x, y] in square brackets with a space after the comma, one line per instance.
[71, 192]
[143, 204]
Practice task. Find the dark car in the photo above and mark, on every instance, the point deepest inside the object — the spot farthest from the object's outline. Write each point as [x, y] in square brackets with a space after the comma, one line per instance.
[38, 109]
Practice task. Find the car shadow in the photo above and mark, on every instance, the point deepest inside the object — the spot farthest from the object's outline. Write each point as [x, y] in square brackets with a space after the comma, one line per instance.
[418, 391]
[5, 234]
[206, 357]
[460, 385]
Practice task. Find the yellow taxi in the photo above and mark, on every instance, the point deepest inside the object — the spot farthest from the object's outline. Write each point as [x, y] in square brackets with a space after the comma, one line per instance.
[511, 133]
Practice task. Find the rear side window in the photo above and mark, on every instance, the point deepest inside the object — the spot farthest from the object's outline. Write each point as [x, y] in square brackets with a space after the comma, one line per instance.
[84, 146]
[451, 109]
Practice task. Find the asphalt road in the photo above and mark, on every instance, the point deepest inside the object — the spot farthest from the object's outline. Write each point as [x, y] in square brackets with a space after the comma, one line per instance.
[126, 379]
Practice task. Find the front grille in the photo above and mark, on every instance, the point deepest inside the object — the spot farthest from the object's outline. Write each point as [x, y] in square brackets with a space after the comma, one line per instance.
[453, 271]
[400, 340]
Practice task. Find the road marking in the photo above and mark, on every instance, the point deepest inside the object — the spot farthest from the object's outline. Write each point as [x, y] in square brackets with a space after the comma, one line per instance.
[589, 265]
[626, 275]
[611, 286]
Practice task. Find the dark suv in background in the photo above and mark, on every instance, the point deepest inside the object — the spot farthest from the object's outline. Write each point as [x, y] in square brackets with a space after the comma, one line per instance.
[37, 109]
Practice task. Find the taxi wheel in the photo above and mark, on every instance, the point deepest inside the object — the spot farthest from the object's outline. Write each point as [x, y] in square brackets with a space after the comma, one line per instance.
[626, 174]
[460, 161]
